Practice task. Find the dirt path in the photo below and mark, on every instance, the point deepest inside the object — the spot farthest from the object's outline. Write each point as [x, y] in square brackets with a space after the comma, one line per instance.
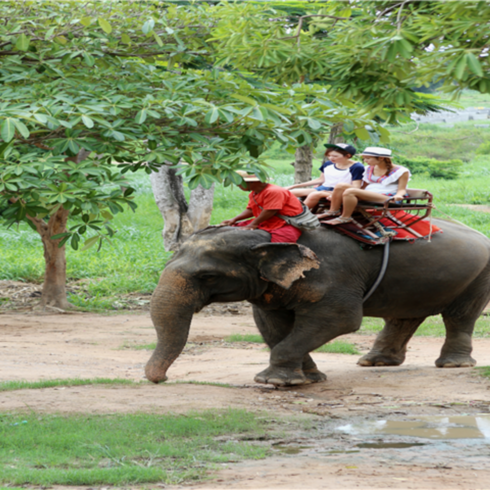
[89, 346]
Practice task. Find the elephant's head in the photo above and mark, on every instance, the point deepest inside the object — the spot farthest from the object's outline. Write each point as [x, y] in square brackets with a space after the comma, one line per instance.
[217, 265]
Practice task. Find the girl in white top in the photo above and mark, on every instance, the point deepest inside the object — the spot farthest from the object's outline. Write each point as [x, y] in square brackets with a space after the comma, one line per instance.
[338, 168]
[381, 179]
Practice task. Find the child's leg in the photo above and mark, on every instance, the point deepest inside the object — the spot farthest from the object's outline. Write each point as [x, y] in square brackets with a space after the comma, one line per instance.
[352, 197]
[336, 198]
[302, 192]
[314, 198]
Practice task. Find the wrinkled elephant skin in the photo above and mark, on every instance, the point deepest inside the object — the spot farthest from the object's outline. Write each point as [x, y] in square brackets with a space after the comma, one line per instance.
[306, 294]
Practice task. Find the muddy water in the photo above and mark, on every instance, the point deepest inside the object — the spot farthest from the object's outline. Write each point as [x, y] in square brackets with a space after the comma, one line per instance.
[442, 428]
[430, 442]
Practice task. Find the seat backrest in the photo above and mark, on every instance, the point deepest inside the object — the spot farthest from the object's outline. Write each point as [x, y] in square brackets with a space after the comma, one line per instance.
[417, 193]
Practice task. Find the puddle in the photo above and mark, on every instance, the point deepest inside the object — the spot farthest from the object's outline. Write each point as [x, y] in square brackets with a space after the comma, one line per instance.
[290, 449]
[442, 428]
[388, 445]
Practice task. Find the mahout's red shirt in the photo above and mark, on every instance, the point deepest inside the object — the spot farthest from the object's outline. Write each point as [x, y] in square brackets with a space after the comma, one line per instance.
[274, 197]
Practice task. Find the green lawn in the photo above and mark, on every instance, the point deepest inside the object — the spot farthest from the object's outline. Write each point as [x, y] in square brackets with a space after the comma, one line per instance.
[51, 383]
[46, 450]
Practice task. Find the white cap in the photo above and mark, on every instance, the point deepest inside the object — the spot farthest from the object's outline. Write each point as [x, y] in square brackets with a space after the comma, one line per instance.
[376, 151]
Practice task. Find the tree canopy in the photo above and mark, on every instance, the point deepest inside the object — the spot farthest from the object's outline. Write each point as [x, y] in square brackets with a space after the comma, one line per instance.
[374, 53]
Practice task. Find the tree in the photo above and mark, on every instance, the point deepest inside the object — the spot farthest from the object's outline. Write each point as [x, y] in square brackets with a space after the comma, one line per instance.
[372, 53]
[90, 91]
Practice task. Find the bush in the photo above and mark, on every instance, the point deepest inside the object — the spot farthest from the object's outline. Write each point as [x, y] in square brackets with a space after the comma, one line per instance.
[438, 169]
[483, 149]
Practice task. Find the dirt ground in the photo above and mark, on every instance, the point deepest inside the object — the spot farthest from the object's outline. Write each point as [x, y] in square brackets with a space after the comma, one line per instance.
[330, 455]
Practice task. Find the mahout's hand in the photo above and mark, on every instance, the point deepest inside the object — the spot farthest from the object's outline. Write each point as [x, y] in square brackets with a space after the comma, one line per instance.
[228, 222]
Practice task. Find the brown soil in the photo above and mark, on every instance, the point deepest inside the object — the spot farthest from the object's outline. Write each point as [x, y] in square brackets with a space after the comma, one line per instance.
[36, 347]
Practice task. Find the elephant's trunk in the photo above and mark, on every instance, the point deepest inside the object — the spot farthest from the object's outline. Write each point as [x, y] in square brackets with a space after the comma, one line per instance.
[172, 305]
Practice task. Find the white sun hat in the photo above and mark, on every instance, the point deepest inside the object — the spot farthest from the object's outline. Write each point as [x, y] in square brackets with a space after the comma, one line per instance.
[376, 151]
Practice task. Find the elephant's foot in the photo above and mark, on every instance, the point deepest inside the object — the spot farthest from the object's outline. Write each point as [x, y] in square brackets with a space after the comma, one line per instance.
[455, 360]
[379, 359]
[314, 375]
[154, 374]
[278, 376]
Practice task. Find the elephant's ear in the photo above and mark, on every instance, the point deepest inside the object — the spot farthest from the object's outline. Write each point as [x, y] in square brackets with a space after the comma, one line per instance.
[284, 263]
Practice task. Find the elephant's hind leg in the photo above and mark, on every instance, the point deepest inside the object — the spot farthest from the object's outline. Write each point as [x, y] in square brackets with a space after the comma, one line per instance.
[274, 327]
[456, 351]
[459, 319]
[390, 346]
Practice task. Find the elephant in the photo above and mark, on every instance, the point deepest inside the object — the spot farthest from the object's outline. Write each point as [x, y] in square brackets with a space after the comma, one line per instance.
[307, 293]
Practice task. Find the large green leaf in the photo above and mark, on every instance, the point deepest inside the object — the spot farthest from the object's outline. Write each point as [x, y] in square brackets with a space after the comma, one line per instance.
[362, 133]
[148, 26]
[22, 128]
[89, 123]
[212, 115]
[106, 26]
[474, 64]
[22, 42]
[141, 116]
[7, 129]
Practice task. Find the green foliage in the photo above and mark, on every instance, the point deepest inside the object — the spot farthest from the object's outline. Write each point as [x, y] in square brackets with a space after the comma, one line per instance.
[483, 149]
[431, 167]
[122, 449]
[372, 52]
[51, 383]
[111, 87]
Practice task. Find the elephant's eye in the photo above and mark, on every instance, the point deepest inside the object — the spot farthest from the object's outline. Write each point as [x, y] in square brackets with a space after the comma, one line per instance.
[208, 276]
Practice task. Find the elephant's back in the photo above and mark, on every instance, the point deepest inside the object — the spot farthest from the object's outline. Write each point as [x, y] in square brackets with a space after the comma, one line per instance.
[422, 277]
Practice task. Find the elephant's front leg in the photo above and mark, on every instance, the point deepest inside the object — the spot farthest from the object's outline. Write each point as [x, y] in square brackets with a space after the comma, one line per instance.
[290, 362]
[390, 346]
[275, 325]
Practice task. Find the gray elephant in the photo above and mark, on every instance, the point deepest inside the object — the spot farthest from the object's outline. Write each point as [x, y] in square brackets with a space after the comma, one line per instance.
[306, 294]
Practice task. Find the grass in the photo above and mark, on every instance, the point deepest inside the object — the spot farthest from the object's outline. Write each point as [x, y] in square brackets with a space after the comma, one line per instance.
[438, 140]
[52, 383]
[432, 327]
[334, 347]
[473, 98]
[483, 371]
[123, 449]
[339, 347]
[253, 338]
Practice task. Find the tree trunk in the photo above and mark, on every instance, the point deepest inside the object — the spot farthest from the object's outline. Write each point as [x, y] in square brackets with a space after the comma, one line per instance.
[180, 218]
[303, 164]
[54, 287]
[336, 134]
